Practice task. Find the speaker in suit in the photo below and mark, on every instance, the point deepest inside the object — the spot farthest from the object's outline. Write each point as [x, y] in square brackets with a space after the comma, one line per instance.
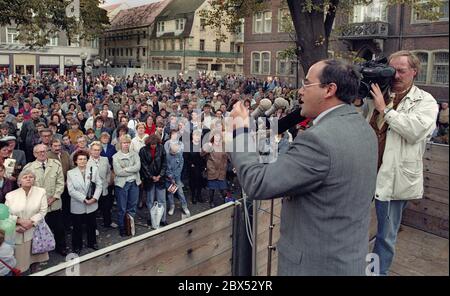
[328, 177]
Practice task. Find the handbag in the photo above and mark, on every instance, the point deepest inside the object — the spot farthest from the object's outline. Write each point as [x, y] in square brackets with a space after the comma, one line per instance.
[129, 225]
[156, 214]
[43, 240]
[14, 271]
[92, 186]
[172, 188]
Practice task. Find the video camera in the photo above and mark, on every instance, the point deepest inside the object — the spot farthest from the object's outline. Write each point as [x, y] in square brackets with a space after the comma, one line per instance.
[376, 71]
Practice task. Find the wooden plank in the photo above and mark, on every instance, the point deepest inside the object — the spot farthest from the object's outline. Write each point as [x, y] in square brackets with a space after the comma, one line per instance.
[436, 245]
[437, 195]
[127, 254]
[429, 207]
[436, 153]
[425, 222]
[265, 204]
[420, 253]
[172, 260]
[264, 219]
[436, 167]
[435, 181]
[262, 270]
[219, 265]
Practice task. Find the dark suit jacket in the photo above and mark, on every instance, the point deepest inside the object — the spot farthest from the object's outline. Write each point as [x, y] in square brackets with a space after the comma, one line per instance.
[329, 174]
[110, 151]
[65, 161]
[19, 156]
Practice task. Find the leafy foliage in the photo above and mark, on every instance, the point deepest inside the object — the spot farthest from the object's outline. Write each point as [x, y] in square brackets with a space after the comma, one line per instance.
[37, 21]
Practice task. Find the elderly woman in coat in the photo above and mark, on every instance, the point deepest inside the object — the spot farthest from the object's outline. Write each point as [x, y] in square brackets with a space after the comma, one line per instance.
[216, 166]
[27, 206]
[85, 187]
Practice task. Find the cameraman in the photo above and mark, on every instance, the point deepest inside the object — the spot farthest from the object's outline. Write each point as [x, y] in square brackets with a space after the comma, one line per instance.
[403, 119]
[328, 172]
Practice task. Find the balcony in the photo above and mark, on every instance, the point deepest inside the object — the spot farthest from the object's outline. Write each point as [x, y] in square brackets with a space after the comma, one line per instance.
[366, 30]
[197, 53]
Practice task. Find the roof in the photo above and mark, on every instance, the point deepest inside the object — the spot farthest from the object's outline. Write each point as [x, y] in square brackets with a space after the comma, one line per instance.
[179, 7]
[139, 16]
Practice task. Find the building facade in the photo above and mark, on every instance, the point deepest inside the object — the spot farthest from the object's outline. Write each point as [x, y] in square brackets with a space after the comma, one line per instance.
[378, 29]
[265, 39]
[59, 55]
[180, 41]
[126, 42]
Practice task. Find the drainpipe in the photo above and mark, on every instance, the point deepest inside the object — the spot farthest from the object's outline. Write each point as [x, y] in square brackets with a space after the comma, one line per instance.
[400, 40]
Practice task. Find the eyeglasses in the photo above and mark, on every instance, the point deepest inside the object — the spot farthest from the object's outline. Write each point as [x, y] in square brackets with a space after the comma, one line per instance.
[305, 85]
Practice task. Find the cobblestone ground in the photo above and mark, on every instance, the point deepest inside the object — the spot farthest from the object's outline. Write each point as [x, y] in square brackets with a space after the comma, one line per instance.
[109, 236]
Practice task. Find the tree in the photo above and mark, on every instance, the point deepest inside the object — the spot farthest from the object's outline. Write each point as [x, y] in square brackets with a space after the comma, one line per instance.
[312, 19]
[39, 20]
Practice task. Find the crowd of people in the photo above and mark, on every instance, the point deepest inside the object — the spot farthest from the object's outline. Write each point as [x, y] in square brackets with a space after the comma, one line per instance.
[127, 141]
[143, 140]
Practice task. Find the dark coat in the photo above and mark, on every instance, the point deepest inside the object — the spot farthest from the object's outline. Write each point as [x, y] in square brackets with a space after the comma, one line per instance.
[110, 151]
[8, 186]
[151, 167]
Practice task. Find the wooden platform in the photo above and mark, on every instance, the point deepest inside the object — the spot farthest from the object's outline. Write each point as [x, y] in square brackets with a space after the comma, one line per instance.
[419, 253]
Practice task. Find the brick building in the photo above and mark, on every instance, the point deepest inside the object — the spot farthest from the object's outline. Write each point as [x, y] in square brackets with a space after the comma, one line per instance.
[378, 29]
[264, 40]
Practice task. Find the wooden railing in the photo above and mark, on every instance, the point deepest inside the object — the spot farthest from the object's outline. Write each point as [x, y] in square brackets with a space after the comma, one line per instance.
[431, 213]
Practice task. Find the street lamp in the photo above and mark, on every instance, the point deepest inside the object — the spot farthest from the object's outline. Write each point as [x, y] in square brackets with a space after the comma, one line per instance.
[69, 64]
[83, 57]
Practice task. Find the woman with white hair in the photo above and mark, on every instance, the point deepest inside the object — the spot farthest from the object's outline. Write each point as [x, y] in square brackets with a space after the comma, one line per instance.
[126, 165]
[27, 207]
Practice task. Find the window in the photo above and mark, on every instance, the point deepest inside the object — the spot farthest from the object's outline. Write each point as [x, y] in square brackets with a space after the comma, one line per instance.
[164, 44]
[94, 43]
[172, 44]
[143, 52]
[232, 45]
[261, 63]
[373, 12]
[75, 42]
[202, 45]
[283, 65]
[12, 35]
[265, 63]
[159, 44]
[262, 22]
[417, 17]
[181, 42]
[256, 63]
[284, 15]
[160, 27]
[440, 68]
[179, 24]
[53, 41]
[109, 51]
[137, 53]
[217, 45]
[422, 76]
[202, 24]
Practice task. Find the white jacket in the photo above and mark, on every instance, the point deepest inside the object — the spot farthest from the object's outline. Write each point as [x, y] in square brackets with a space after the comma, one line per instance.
[410, 126]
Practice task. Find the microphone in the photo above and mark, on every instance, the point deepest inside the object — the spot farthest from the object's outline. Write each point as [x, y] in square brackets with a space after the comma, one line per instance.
[264, 105]
[290, 120]
[277, 104]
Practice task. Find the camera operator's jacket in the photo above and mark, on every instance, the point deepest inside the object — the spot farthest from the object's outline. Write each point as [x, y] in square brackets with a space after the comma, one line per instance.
[410, 127]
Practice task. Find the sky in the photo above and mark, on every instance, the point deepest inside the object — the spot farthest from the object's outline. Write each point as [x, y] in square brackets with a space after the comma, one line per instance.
[131, 3]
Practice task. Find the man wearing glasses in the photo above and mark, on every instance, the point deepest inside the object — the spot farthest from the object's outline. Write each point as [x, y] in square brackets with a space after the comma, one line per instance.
[328, 176]
[49, 176]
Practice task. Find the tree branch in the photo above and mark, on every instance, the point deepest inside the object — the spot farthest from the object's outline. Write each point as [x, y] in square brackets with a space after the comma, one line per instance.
[329, 19]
